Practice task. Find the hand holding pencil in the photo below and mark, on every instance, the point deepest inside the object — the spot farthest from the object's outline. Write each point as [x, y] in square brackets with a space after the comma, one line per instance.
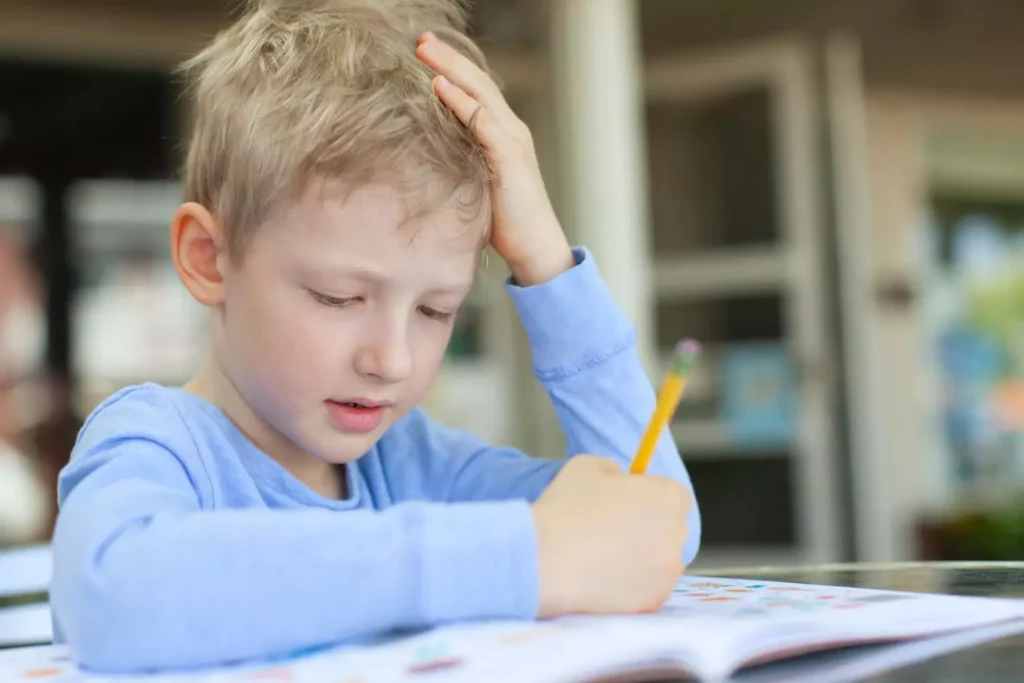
[610, 542]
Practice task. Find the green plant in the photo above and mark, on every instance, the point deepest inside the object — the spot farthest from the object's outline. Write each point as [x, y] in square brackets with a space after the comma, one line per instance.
[993, 535]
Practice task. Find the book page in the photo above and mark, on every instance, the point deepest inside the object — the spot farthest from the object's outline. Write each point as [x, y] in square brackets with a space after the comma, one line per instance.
[775, 620]
[861, 664]
[884, 612]
[709, 627]
[516, 652]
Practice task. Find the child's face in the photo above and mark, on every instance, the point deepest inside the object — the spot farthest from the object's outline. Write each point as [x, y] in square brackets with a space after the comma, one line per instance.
[338, 317]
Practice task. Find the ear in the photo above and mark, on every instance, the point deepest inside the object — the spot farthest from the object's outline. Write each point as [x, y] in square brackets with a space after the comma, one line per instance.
[198, 252]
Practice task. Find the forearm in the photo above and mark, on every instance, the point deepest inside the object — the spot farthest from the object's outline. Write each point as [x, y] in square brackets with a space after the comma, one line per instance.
[585, 355]
[202, 588]
[605, 411]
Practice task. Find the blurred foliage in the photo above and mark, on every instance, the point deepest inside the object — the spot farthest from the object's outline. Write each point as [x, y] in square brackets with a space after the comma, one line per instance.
[997, 309]
[993, 536]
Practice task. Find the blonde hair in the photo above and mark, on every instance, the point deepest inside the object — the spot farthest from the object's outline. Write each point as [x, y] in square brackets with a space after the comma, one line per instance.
[296, 90]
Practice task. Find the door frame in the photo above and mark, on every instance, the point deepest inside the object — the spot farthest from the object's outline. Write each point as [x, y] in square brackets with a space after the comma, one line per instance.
[786, 66]
[903, 473]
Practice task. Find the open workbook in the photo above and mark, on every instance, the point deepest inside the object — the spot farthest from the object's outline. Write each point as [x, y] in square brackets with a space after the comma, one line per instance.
[708, 630]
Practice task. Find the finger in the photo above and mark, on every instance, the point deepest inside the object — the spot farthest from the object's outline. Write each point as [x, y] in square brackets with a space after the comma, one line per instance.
[607, 467]
[458, 69]
[454, 65]
[612, 467]
[469, 111]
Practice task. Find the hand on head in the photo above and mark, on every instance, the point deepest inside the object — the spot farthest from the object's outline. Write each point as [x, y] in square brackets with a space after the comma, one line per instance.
[525, 232]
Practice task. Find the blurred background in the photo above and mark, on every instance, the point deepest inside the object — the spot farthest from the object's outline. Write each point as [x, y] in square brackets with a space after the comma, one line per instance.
[829, 194]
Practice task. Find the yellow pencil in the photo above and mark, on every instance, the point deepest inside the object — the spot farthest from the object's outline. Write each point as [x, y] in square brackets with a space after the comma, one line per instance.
[671, 392]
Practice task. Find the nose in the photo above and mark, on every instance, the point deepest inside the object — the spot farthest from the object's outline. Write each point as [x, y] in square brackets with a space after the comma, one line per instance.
[384, 355]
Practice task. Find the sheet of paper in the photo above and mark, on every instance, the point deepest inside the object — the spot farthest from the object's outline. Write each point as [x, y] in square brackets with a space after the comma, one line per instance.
[25, 570]
[25, 625]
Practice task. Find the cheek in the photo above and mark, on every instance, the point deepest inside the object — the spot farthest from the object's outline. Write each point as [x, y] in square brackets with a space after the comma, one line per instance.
[280, 337]
[428, 348]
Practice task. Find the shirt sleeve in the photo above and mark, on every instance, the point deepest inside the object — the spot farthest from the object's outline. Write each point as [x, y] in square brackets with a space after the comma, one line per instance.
[148, 577]
[585, 355]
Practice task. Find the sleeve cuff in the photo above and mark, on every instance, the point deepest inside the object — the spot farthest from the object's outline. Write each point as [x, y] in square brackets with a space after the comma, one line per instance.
[481, 563]
[573, 319]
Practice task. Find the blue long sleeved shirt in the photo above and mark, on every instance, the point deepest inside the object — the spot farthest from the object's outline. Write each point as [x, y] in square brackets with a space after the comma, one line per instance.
[180, 544]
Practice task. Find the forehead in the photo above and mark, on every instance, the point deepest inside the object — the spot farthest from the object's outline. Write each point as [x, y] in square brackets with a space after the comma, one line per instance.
[383, 227]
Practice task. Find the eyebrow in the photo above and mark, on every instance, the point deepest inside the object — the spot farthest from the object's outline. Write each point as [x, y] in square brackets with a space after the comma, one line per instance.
[354, 272]
[373, 277]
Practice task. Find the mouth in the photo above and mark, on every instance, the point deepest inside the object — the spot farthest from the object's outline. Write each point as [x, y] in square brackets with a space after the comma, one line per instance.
[357, 415]
[360, 403]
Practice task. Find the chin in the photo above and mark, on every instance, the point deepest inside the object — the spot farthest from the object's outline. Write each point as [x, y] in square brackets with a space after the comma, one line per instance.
[341, 449]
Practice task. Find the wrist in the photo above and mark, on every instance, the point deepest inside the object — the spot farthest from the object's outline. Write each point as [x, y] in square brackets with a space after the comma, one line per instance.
[542, 264]
[549, 602]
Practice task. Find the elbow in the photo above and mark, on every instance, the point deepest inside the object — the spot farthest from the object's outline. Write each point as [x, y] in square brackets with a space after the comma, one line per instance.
[108, 613]
[99, 643]
[102, 622]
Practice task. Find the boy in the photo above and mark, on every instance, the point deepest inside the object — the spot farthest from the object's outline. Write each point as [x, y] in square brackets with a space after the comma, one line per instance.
[346, 168]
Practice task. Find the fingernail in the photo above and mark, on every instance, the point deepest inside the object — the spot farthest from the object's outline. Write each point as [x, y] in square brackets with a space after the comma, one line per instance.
[442, 82]
[428, 36]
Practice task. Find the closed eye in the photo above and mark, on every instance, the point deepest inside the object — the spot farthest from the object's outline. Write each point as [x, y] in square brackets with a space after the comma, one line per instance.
[434, 314]
[333, 301]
